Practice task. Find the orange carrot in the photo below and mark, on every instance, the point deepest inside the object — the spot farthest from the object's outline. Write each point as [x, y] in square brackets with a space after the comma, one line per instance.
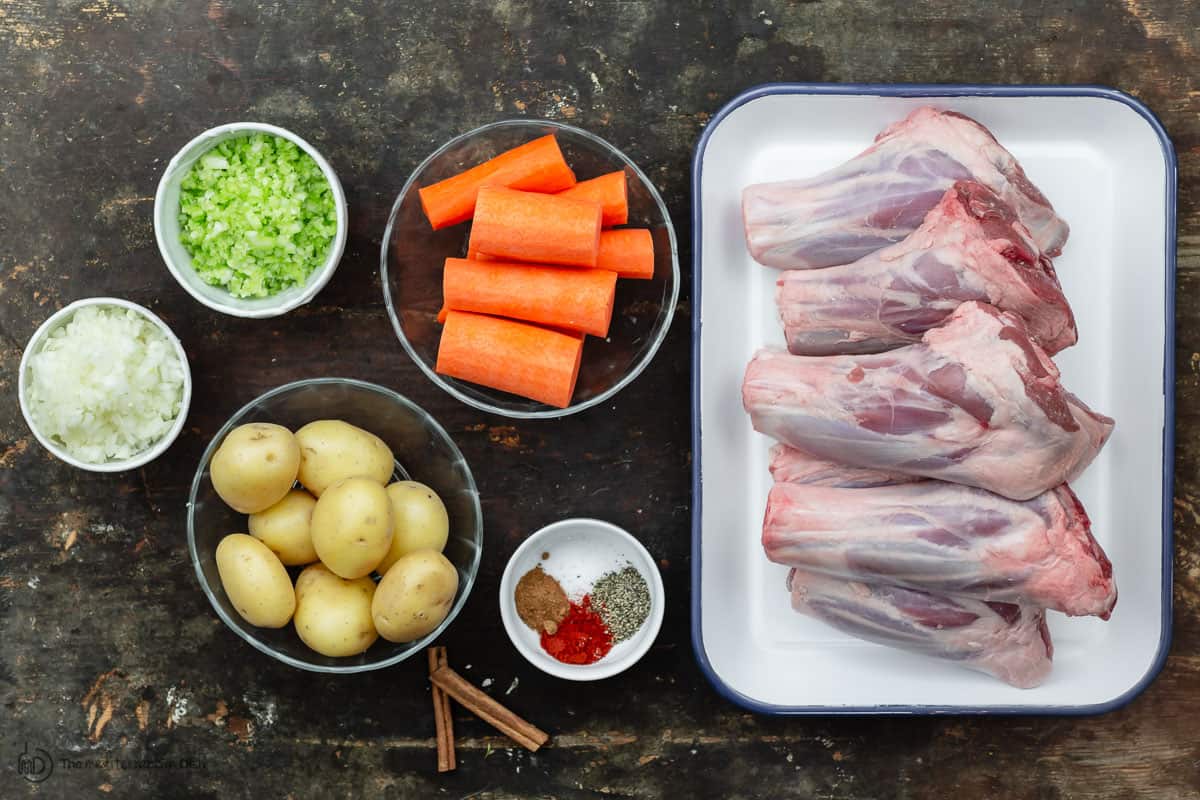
[558, 297]
[441, 317]
[536, 166]
[629, 252]
[515, 357]
[607, 190]
[543, 228]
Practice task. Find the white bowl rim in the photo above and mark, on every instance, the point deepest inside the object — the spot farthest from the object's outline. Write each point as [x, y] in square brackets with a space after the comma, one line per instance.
[146, 456]
[319, 278]
[545, 413]
[603, 668]
[247, 635]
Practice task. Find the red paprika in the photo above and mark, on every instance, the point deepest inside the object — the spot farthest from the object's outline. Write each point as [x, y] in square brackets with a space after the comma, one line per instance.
[581, 638]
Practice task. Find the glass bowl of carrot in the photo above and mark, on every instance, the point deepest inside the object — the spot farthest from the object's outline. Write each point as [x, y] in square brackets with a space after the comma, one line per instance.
[530, 269]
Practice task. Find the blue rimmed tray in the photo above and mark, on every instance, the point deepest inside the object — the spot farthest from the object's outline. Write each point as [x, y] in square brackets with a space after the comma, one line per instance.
[1105, 162]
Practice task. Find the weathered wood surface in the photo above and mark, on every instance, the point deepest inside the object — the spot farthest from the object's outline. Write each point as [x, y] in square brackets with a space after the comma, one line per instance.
[108, 650]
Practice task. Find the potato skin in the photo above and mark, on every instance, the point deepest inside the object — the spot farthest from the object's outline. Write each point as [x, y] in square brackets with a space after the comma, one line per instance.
[285, 528]
[333, 615]
[255, 466]
[332, 450]
[255, 581]
[414, 596]
[352, 527]
[419, 521]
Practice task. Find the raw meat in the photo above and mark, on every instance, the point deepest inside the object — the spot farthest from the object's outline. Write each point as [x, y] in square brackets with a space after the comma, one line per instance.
[970, 247]
[881, 196]
[945, 538]
[789, 465]
[1010, 642]
[974, 402]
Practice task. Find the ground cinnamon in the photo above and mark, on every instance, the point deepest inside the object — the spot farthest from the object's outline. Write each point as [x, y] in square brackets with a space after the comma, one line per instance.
[541, 602]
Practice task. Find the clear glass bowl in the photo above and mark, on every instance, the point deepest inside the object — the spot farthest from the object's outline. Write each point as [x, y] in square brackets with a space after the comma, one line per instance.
[412, 258]
[424, 452]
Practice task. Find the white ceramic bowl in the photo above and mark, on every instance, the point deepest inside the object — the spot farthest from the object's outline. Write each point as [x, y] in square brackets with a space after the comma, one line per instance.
[35, 344]
[581, 550]
[166, 228]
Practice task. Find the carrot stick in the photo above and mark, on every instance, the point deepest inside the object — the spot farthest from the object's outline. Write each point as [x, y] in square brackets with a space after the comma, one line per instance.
[609, 191]
[441, 317]
[543, 228]
[536, 166]
[558, 297]
[511, 356]
[629, 252]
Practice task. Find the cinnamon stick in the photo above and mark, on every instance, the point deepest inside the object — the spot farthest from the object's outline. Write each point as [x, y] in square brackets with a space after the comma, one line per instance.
[442, 719]
[447, 715]
[478, 703]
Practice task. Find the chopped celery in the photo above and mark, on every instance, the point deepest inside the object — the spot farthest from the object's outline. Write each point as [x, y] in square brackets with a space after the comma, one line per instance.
[256, 214]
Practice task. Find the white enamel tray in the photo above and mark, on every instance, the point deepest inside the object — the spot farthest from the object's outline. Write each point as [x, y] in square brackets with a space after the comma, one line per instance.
[1106, 164]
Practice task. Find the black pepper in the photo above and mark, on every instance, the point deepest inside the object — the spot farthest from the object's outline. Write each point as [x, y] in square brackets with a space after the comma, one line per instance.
[624, 601]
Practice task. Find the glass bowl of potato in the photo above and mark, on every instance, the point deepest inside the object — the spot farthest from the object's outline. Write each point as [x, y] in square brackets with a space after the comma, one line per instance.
[335, 526]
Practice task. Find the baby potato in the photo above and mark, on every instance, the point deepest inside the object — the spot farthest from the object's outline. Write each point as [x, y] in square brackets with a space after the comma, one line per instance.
[284, 528]
[255, 466]
[332, 450]
[255, 581]
[352, 527]
[414, 596]
[333, 615]
[419, 521]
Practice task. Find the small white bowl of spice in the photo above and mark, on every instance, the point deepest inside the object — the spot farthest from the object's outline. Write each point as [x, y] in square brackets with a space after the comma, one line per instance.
[104, 385]
[582, 599]
[250, 219]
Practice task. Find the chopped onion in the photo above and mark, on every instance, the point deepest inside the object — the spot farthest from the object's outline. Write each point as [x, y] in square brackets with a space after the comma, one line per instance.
[106, 385]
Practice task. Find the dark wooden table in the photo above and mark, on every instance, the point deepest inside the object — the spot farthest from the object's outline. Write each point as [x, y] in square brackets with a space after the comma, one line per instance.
[112, 662]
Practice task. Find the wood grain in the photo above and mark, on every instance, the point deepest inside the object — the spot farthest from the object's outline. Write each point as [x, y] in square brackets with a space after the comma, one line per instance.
[98, 601]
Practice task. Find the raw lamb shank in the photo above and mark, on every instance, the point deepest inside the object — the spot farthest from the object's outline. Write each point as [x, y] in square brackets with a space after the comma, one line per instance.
[1008, 641]
[971, 246]
[789, 465]
[882, 195]
[947, 539]
[974, 402]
